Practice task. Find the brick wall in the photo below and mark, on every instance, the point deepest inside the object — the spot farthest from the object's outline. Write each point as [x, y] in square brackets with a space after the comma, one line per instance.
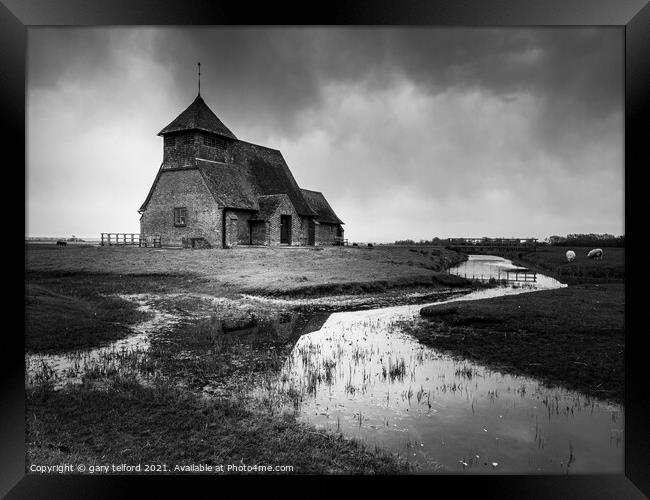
[237, 227]
[182, 188]
[326, 233]
[299, 224]
[259, 233]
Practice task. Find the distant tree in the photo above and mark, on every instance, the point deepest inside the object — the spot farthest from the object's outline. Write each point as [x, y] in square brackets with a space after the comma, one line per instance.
[588, 240]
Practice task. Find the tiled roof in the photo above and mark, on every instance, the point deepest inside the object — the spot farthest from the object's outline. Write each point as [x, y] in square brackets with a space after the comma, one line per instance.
[270, 173]
[268, 205]
[230, 184]
[198, 116]
[319, 204]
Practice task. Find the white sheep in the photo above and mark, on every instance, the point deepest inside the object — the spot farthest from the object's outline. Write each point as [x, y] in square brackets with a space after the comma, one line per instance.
[596, 253]
[570, 255]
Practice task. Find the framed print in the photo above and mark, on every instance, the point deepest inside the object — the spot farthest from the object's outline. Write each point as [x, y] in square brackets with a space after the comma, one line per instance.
[385, 240]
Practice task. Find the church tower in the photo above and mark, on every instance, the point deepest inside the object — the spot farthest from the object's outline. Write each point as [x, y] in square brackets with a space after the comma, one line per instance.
[196, 133]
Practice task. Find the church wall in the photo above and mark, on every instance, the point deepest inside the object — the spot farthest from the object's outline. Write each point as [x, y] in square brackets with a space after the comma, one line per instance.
[237, 227]
[259, 233]
[182, 188]
[326, 233]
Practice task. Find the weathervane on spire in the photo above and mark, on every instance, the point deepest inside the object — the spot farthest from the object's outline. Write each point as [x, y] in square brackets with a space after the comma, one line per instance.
[199, 78]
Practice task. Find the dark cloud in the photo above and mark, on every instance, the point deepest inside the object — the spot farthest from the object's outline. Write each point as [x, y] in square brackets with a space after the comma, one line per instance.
[447, 114]
[280, 72]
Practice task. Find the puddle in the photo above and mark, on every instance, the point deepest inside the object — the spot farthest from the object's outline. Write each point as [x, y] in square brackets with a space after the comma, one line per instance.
[124, 355]
[361, 375]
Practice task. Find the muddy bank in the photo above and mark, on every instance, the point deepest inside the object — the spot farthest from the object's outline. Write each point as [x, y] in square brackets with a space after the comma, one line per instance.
[572, 337]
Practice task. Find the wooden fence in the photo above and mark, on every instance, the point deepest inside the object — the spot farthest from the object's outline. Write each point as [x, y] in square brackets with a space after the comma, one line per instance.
[128, 239]
[520, 275]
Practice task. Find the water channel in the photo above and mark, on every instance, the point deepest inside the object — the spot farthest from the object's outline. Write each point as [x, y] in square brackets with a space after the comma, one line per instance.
[360, 374]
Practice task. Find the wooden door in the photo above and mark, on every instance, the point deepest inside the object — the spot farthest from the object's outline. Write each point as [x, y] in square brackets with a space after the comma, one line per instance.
[285, 229]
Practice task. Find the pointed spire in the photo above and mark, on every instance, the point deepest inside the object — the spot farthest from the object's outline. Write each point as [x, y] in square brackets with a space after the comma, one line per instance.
[198, 116]
[199, 78]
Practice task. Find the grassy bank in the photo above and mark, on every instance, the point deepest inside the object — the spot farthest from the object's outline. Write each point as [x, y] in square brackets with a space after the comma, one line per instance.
[73, 310]
[59, 321]
[572, 336]
[552, 261]
[273, 271]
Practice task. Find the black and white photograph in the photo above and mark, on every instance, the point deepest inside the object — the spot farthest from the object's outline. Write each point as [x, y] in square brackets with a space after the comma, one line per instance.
[326, 250]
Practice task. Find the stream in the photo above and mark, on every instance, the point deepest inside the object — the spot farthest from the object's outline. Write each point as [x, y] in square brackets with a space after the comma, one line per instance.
[359, 374]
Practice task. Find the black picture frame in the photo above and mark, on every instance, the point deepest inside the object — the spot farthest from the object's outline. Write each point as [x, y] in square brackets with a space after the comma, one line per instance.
[631, 15]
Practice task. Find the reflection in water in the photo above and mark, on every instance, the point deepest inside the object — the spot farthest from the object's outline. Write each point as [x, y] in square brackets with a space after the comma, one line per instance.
[361, 375]
[486, 267]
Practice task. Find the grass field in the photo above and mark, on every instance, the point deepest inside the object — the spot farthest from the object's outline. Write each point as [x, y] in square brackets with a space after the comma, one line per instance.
[279, 271]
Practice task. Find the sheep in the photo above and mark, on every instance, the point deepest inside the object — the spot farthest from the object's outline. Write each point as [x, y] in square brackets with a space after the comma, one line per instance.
[570, 255]
[596, 253]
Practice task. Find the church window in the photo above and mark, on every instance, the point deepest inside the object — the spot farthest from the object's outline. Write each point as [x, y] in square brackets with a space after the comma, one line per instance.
[188, 138]
[180, 216]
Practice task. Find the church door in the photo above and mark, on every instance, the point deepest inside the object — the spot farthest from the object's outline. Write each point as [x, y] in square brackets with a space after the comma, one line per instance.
[285, 229]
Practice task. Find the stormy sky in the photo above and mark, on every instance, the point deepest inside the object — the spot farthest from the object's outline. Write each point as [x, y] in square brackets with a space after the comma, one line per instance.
[409, 132]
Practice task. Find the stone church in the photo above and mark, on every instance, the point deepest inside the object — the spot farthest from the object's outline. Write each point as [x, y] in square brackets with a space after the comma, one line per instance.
[214, 190]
